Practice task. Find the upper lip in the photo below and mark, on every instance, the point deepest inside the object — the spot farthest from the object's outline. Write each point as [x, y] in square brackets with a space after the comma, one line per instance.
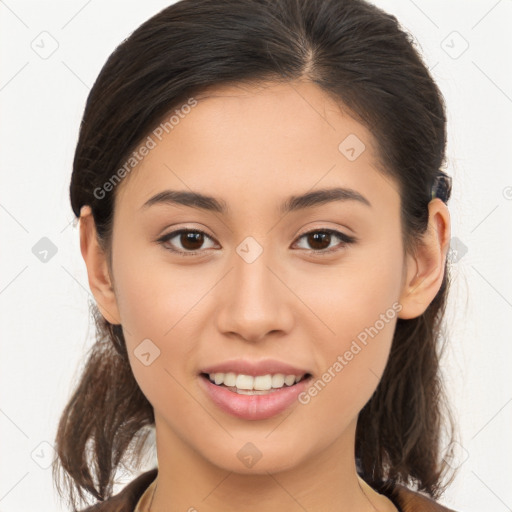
[255, 368]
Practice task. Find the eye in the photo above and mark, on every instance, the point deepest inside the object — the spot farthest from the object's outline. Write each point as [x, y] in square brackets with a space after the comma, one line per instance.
[320, 240]
[190, 239]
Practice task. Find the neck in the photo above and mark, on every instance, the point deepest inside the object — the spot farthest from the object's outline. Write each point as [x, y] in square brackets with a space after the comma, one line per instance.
[326, 482]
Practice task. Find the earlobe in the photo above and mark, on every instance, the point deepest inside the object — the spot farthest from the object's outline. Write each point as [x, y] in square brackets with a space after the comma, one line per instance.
[95, 259]
[426, 267]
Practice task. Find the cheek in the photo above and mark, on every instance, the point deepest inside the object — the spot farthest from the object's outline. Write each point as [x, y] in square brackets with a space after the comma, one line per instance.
[154, 296]
[359, 308]
[353, 295]
[156, 307]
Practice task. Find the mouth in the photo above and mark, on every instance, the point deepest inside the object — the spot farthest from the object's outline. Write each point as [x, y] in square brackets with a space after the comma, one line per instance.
[240, 395]
[255, 385]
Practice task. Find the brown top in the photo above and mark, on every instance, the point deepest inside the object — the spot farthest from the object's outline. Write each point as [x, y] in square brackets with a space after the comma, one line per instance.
[133, 496]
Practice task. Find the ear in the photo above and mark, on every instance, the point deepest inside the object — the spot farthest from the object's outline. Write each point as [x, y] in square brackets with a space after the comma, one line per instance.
[424, 270]
[97, 269]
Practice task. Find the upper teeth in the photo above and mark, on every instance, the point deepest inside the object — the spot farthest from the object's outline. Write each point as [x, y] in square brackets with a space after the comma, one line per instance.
[260, 382]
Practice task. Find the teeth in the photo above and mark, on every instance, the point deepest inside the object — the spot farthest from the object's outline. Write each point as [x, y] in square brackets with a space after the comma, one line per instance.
[258, 383]
[244, 382]
[289, 380]
[278, 380]
[228, 379]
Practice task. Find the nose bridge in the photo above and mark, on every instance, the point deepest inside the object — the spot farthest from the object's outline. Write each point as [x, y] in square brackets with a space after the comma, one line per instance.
[252, 277]
[254, 302]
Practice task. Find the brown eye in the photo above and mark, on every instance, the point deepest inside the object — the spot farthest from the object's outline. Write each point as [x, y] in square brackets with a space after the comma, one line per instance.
[189, 241]
[320, 240]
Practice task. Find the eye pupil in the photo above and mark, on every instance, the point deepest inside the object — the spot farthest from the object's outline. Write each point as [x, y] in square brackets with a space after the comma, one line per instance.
[321, 236]
[192, 237]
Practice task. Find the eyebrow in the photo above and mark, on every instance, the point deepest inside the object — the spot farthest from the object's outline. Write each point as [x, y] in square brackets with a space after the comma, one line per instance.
[292, 204]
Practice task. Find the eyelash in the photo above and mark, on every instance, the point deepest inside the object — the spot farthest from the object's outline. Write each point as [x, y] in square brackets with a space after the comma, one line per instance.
[345, 240]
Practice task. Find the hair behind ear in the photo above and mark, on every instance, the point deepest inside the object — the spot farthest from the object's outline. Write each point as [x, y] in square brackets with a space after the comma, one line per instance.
[398, 438]
[105, 414]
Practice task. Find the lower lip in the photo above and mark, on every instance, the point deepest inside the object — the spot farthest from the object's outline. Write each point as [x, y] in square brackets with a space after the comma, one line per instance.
[253, 407]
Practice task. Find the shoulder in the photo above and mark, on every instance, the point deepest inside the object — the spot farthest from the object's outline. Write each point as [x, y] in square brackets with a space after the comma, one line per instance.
[127, 498]
[413, 501]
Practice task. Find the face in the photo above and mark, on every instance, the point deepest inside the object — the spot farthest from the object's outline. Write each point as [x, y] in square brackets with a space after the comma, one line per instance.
[315, 287]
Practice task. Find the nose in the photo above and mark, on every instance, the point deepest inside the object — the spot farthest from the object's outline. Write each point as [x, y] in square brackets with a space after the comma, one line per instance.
[255, 301]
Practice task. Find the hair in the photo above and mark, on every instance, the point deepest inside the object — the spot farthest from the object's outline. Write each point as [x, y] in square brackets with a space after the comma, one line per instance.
[358, 55]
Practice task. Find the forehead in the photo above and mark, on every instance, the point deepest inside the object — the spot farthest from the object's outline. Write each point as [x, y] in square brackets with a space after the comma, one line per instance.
[265, 138]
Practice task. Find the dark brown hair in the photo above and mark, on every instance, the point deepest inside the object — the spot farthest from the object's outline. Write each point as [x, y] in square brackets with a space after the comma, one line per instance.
[359, 55]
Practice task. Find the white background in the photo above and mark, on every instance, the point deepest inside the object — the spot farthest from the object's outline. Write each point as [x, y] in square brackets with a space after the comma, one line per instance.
[44, 306]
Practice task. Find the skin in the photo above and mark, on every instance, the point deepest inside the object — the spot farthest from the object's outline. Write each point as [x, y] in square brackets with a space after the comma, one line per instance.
[253, 147]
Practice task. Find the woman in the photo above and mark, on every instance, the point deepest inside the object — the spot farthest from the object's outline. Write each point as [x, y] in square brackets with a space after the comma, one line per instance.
[263, 219]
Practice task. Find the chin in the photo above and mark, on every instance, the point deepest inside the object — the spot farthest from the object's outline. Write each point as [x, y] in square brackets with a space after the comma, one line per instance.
[255, 458]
